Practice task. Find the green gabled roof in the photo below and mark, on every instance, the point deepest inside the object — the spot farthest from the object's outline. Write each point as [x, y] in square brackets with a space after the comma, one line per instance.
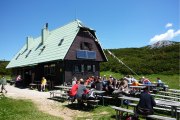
[50, 50]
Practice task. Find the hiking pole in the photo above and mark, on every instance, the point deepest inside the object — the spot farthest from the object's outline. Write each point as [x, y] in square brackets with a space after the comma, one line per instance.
[120, 61]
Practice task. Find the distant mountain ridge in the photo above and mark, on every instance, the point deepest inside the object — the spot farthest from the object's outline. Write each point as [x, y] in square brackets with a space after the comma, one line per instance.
[163, 43]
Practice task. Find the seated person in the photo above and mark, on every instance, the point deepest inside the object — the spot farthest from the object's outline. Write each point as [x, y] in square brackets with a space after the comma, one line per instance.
[159, 83]
[74, 80]
[146, 81]
[146, 103]
[123, 88]
[88, 81]
[81, 90]
[43, 84]
[98, 84]
[91, 94]
[135, 83]
[109, 87]
[18, 81]
[73, 91]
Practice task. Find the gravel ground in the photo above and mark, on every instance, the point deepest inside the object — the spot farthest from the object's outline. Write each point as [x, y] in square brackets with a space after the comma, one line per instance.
[44, 104]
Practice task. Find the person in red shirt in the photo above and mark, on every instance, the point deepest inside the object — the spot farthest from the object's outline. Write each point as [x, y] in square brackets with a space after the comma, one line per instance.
[73, 91]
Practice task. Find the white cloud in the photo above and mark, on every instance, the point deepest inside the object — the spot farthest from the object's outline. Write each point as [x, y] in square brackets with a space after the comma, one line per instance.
[169, 25]
[169, 35]
[177, 33]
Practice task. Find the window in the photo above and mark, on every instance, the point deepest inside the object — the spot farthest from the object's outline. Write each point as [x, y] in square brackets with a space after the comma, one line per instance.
[18, 56]
[86, 46]
[42, 49]
[82, 68]
[94, 68]
[52, 69]
[49, 69]
[61, 41]
[85, 54]
[46, 69]
[89, 68]
[81, 54]
[28, 53]
[76, 69]
[91, 54]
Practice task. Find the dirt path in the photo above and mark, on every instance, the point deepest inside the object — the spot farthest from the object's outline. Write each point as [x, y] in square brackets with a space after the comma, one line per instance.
[44, 104]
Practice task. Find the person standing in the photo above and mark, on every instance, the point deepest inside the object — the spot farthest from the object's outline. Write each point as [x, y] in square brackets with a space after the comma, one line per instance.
[3, 82]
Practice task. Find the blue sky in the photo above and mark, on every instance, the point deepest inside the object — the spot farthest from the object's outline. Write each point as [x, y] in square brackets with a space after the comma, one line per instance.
[118, 23]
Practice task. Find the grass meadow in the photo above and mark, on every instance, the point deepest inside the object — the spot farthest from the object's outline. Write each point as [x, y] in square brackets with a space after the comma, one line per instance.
[173, 81]
[13, 109]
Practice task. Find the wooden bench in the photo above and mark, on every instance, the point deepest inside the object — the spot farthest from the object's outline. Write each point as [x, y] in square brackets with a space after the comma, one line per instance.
[53, 93]
[162, 108]
[160, 117]
[58, 94]
[12, 82]
[87, 103]
[106, 97]
[120, 111]
[92, 102]
[33, 86]
[166, 97]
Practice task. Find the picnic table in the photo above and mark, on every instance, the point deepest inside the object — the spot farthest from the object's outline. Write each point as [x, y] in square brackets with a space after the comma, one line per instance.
[170, 93]
[174, 104]
[100, 93]
[174, 90]
[139, 88]
[167, 97]
[33, 86]
[62, 92]
[150, 86]
[63, 87]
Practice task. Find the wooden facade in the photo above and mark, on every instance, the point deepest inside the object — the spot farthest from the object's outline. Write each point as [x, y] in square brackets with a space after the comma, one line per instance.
[63, 70]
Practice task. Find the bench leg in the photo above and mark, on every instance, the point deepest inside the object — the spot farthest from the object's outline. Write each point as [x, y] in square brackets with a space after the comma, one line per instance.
[103, 100]
[121, 115]
[117, 115]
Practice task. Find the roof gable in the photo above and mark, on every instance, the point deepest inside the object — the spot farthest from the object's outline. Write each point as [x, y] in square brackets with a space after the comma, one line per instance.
[50, 50]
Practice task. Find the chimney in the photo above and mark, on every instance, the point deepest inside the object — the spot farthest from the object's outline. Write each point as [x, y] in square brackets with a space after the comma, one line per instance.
[44, 33]
[29, 42]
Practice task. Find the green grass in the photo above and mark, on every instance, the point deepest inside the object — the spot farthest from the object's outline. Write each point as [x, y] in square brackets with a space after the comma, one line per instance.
[98, 113]
[12, 109]
[108, 73]
[173, 81]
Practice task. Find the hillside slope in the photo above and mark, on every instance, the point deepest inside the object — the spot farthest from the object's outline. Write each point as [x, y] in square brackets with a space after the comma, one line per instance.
[145, 60]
